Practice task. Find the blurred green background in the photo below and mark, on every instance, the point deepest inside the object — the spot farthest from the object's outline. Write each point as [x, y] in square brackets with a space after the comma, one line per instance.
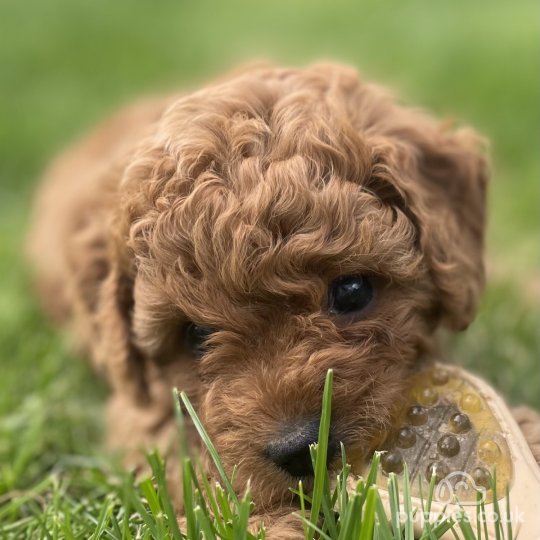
[65, 64]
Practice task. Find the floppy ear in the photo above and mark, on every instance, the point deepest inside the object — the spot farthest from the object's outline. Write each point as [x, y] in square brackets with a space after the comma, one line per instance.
[438, 178]
[454, 172]
[114, 350]
[102, 303]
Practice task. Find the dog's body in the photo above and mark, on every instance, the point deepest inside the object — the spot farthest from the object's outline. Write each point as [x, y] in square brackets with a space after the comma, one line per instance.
[216, 242]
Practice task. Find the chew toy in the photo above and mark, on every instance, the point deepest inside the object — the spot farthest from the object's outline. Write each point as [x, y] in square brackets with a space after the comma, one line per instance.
[455, 427]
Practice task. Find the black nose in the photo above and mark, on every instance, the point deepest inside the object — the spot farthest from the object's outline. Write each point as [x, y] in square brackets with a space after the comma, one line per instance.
[290, 451]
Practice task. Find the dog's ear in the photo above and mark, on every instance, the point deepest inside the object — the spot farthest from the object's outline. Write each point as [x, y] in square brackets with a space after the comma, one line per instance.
[114, 350]
[439, 177]
[454, 170]
[102, 305]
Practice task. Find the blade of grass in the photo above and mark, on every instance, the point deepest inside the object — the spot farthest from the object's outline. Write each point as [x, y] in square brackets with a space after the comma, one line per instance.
[67, 525]
[479, 517]
[127, 494]
[368, 517]
[465, 525]
[302, 507]
[307, 498]
[224, 505]
[349, 514]
[157, 466]
[335, 494]
[441, 527]
[393, 496]
[44, 530]
[210, 497]
[344, 475]
[181, 424]
[210, 447]
[145, 516]
[373, 470]
[314, 527]
[241, 524]
[102, 522]
[427, 526]
[151, 497]
[117, 533]
[322, 448]
[370, 480]
[509, 532]
[376, 533]
[204, 522]
[407, 504]
[328, 509]
[484, 520]
[385, 532]
[188, 499]
[149, 493]
[496, 509]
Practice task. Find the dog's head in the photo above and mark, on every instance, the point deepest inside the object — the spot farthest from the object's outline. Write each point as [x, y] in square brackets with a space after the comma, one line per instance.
[280, 224]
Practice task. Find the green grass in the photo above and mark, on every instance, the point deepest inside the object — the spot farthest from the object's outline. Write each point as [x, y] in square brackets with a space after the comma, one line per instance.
[64, 64]
[90, 502]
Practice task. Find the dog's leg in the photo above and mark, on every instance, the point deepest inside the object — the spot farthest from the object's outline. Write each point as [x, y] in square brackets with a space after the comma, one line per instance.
[529, 422]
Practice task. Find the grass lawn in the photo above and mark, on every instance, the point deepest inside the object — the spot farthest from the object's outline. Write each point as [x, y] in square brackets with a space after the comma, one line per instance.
[64, 64]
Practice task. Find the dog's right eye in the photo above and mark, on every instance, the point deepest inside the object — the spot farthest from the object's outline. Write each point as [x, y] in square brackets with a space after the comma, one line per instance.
[195, 338]
[349, 294]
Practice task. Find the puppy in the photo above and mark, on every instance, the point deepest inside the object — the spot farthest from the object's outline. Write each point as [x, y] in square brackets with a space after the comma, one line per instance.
[239, 241]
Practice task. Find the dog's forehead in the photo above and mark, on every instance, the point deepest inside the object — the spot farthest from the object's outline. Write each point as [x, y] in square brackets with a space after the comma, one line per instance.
[264, 185]
[267, 156]
[279, 238]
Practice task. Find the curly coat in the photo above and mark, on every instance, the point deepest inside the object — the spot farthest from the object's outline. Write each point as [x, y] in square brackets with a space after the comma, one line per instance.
[233, 207]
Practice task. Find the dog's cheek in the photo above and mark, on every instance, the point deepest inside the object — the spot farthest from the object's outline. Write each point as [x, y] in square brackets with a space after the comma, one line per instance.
[229, 412]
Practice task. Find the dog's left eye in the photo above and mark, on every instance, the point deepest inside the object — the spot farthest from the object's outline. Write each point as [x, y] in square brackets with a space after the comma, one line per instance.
[195, 337]
[348, 294]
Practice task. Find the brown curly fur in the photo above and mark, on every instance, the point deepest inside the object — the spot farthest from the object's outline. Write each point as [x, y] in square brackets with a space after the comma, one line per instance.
[234, 207]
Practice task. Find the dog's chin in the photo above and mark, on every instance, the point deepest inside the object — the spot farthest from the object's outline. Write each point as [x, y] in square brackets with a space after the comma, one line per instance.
[268, 486]
[274, 488]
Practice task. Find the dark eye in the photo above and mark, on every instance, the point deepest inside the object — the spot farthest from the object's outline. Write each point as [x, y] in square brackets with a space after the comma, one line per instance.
[349, 294]
[195, 337]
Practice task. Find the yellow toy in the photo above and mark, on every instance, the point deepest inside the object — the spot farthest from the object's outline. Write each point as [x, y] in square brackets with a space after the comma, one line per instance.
[456, 428]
